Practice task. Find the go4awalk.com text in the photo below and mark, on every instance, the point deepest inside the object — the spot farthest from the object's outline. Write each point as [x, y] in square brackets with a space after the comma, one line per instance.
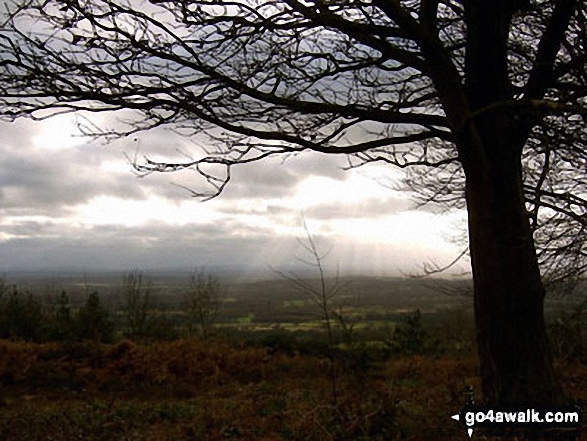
[473, 417]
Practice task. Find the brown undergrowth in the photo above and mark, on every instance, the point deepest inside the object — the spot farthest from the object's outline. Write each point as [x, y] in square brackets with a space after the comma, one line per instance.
[210, 390]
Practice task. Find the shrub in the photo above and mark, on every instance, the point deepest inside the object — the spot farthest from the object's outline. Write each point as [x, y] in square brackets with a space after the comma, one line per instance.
[61, 321]
[21, 315]
[411, 337]
[568, 336]
[93, 322]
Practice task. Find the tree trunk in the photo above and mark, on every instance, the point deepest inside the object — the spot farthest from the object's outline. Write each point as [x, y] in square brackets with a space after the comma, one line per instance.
[509, 296]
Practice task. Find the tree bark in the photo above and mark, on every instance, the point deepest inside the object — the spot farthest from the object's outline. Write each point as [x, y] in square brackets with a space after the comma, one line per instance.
[514, 356]
[509, 296]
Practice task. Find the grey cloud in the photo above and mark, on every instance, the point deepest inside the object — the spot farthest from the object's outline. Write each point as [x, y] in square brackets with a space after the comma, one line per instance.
[266, 179]
[49, 180]
[369, 208]
[164, 233]
[51, 183]
[226, 243]
[272, 210]
[33, 228]
[319, 164]
[278, 178]
[152, 246]
[64, 178]
[274, 177]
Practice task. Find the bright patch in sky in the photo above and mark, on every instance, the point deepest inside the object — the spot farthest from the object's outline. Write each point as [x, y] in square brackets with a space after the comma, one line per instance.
[420, 230]
[57, 133]
[78, 201]
[318, 190]
[107, 210]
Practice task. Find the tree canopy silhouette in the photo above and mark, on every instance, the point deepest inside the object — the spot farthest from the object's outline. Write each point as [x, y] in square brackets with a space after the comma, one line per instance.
[489, 97]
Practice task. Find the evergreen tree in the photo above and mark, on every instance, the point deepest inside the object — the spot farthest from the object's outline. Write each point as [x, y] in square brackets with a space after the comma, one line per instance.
[93, 322]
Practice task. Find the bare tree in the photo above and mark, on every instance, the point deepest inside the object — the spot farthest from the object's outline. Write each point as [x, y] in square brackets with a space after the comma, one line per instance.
[323, 294]
[137, 303]
[325, 291]
[204, 298]
[483, 88]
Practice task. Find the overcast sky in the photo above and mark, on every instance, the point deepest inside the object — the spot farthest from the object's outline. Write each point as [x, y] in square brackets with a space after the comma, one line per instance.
[69, 202]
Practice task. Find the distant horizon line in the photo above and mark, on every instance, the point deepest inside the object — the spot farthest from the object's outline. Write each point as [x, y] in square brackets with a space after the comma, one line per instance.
[236, 270]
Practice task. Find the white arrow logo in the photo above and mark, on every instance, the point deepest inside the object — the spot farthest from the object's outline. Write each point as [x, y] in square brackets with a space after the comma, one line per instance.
[457, 417]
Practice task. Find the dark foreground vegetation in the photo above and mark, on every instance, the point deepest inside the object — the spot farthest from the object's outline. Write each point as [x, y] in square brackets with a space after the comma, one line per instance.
[189, 389]
[82, 366]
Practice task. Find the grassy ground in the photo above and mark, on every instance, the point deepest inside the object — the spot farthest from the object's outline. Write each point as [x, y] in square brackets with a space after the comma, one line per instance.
[189, 389]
